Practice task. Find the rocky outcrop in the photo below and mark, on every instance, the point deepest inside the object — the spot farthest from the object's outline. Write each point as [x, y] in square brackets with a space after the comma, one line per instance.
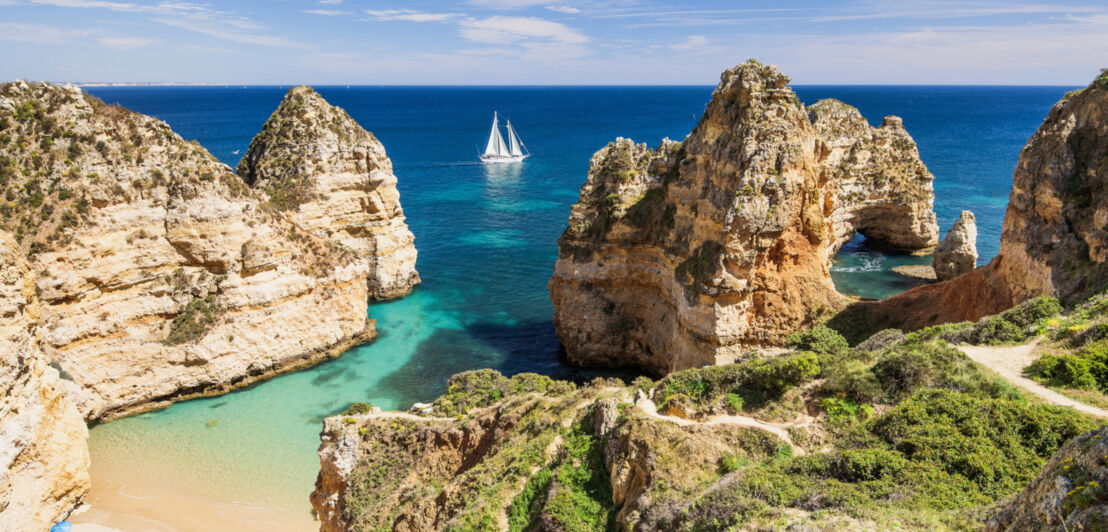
[686, 254]
[957, 254]
[334, 179]
[1055, 236]
[161, 274]
[1071, 493]
[43, 455]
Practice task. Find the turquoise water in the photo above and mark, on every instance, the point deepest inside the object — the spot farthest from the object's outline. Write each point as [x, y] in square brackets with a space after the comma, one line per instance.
[487, 242]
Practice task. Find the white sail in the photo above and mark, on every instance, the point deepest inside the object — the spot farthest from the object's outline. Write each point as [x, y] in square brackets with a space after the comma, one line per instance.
[496, 146]
[513, 141]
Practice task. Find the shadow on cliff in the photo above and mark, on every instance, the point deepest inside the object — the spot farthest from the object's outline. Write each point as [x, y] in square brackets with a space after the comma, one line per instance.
[507, 348]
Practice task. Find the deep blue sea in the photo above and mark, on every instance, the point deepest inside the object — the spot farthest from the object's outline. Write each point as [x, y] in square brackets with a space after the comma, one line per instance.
[487, 243]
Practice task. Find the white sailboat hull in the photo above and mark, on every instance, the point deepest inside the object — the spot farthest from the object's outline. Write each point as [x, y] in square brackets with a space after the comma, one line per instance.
[503, 158]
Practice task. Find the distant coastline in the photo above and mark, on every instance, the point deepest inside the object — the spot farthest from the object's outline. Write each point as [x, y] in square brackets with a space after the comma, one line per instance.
[145, 84]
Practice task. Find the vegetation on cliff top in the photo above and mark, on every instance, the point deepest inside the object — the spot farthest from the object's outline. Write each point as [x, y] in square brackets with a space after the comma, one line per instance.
[908, 433]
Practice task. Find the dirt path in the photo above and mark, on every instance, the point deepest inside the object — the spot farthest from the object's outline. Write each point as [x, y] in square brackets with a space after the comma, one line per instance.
[1008, 362]
[777, 429]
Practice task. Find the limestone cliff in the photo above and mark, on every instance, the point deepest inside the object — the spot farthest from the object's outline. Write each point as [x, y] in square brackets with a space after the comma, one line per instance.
[957, 253]
[335, 180]
[1071, 493]
[43, 455]
[686, 254]
[161, 274]
[1055, 236]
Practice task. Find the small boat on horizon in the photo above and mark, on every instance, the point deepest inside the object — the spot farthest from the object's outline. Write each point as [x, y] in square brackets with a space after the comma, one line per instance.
[496, 151]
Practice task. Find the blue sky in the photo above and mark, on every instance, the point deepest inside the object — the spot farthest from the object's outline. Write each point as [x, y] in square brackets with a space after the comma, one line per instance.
[532, 42]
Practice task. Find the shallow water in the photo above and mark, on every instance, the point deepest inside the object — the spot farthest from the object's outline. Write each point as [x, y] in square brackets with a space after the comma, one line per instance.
[487, 243]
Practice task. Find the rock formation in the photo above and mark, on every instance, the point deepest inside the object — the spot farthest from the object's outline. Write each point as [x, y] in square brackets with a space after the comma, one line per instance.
[161, 274]
[1055, 236]
[43, 455]
[685, 254]
[957, 254]
[1071, 493]
[335, 180]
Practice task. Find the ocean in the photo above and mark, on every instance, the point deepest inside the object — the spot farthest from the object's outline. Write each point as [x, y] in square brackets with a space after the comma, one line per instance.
[487, 240]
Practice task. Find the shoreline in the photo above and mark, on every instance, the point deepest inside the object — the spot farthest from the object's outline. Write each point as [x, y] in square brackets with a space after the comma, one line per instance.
[128, 499]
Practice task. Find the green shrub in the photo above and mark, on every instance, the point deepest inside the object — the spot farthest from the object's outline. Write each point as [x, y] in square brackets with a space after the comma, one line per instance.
[821, 340]
[358, 408]
[1085, 369]
[852, 379]
[735, 402]
[913, 366]
[754, 381]
[483, 387]
[194, 321]
[841, 410]
[732, 462]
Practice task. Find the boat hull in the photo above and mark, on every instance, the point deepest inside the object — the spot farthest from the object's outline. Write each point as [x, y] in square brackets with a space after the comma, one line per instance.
[503, 159]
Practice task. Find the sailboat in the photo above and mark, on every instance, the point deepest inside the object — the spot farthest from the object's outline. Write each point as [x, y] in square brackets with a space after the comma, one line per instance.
[496, 151]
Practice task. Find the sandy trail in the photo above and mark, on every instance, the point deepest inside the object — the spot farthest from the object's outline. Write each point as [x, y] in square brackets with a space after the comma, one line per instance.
[1009, 361]
[777, 429]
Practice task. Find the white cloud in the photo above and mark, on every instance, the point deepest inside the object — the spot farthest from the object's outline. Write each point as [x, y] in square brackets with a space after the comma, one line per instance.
[328, 12]
[330, 1]
[35, 33]
[124, 43]
[409, 15]
[568, 10]
[198, 18]
[219, 32]
[507, 30]
[691, 43]
[508, 4]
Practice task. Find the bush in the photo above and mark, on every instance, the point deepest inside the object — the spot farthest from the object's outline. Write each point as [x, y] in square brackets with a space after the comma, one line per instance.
[912, 366]
[841, 410]
[735, 403]
[358, 408]
[732, 462]
[483, 387]
[1085, 369]
[821, 340]
[754, 381]
[852, 379]
[881, 340]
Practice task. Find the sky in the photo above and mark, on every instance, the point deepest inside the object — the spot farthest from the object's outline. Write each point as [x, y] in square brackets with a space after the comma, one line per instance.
[552, 42]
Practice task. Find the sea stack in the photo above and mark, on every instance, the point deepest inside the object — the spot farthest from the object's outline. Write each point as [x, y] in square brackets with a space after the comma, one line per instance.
[161, 274]
[335, 180]
[43, 451]
[957, 254]
[686, 254]
[1055, 236]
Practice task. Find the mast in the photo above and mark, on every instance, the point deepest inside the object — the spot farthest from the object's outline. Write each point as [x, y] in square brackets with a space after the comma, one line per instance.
[513, 141]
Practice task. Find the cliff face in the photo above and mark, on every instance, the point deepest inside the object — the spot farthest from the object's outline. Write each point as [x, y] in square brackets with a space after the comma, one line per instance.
[334, 179]
[161, 274]
[1069, 494]
[43, 455]
[1055, 236]
[684, 255]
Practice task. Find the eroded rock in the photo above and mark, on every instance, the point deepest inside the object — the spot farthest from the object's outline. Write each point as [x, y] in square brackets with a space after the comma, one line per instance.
[44, 457]
[686, 254]
[334, 179]
[957, 254]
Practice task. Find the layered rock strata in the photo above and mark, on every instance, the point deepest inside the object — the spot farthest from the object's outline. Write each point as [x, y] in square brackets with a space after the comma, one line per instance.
[43, 454]
[161, 274]
[957, 254]
[1055, 236]
[334, 179]
[686, 254]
